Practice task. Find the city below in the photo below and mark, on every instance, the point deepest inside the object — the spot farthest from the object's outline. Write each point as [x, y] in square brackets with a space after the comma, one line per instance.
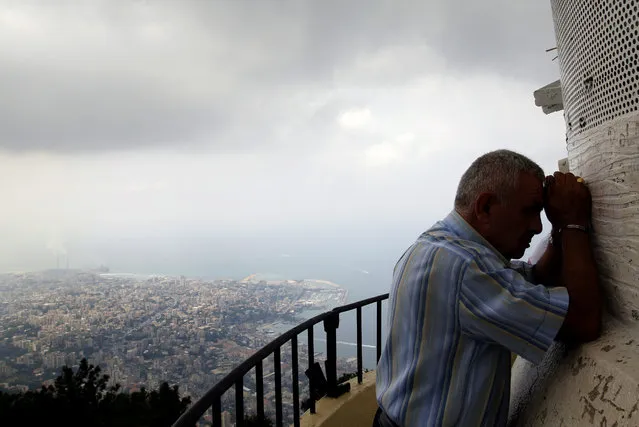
[143, 330]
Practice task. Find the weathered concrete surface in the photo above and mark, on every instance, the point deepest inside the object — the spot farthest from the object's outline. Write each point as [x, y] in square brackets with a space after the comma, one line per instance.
[598, 383]
[607, 157]
[595, 384]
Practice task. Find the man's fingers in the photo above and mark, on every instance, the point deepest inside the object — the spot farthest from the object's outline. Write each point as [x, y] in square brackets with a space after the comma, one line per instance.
[567, 178]
[571, 179]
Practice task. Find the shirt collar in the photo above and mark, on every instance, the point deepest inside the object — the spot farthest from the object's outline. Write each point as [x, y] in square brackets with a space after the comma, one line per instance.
[463, 229]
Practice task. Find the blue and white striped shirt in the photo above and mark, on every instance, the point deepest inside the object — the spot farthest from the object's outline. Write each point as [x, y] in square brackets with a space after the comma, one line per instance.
[457, 310]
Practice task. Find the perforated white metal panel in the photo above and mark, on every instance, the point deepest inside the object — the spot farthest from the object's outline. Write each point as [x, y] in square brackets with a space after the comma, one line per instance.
[598, 43]
[598, 49]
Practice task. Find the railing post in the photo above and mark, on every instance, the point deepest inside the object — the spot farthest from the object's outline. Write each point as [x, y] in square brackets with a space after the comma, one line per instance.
[239, 402]
[296, 384]
[259, 389]
[277, 368]
[360, 357]
[379, 330]
[217, 412]
[311, 362]
[331, 323]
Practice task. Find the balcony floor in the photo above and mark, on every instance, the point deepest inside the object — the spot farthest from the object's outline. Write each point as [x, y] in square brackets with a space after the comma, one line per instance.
[354, 409]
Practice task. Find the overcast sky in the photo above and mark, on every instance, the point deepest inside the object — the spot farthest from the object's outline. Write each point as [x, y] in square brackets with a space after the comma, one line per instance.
[306, 123]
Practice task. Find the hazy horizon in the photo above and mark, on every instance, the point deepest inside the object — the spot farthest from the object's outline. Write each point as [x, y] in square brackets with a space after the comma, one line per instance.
[229, 138]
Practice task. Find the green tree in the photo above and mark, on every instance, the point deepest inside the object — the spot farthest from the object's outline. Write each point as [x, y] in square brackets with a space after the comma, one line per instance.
[83, 398]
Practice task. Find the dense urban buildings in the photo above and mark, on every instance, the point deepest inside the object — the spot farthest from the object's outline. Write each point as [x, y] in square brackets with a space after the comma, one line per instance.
[142, 330]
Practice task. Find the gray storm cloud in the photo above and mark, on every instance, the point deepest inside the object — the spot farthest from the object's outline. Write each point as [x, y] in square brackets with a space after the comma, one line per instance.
[134, 129]
[107, 76]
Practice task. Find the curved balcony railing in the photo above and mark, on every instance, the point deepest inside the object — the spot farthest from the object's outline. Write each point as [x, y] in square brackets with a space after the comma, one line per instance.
[319, 385]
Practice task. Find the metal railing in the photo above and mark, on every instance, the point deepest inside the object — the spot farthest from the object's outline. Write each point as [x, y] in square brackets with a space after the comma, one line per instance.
[213, 398]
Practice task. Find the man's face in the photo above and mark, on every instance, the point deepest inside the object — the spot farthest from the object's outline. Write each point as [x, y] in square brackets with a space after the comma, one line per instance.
[517, 220]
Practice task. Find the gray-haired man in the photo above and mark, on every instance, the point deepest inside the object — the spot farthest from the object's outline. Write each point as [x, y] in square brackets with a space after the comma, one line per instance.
[459, 306]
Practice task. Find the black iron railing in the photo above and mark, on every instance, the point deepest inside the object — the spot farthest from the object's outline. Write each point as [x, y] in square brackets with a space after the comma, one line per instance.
[213, 398]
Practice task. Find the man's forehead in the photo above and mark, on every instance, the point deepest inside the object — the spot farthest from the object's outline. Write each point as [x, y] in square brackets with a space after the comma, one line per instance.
[530, 186]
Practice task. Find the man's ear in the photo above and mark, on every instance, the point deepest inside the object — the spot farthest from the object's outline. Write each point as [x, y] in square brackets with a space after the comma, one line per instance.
[483, 205]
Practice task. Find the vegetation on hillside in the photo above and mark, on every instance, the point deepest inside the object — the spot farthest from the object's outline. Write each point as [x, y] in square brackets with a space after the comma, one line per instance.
[83, 398]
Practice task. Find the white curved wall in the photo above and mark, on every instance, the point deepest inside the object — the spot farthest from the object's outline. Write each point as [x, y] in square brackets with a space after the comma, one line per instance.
[597, 384]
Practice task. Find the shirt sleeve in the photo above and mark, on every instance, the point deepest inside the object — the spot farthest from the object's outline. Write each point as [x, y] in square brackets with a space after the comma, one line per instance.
[499, 305]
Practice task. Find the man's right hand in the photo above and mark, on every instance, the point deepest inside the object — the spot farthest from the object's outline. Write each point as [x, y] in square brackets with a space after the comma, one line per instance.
[567, 201]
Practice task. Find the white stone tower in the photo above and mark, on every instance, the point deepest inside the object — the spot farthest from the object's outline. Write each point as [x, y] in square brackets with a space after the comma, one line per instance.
[598, 383]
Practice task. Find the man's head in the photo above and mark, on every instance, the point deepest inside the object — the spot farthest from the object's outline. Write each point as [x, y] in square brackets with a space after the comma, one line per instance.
[501, 196]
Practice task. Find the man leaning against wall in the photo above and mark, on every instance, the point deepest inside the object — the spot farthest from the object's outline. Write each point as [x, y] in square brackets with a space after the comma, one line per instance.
[459, 306]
